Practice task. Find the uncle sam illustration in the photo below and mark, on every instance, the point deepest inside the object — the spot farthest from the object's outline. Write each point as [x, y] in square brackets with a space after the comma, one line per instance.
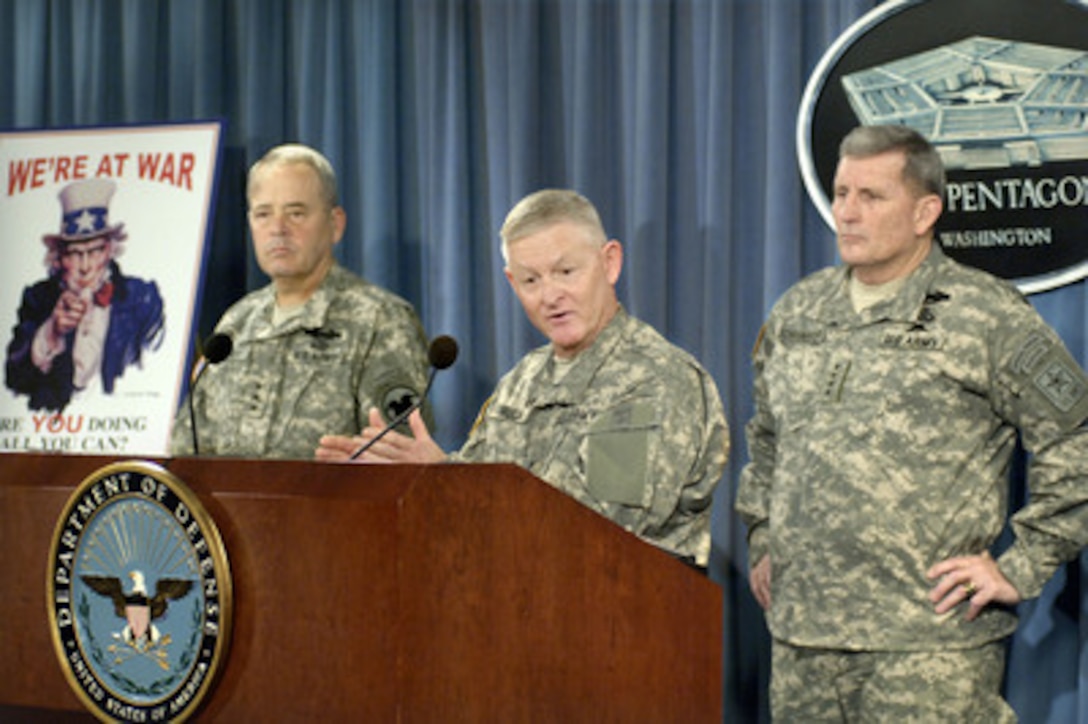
[82, 326]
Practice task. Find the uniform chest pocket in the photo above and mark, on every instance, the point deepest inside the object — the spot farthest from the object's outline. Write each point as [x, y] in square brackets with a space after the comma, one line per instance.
[618, 453]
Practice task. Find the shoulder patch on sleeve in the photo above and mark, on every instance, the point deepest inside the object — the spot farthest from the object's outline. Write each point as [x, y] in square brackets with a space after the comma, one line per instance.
[1045, 365]
[1034, 347]
[481, 415]
[1061, 383]
[759, 340]
[396, 399]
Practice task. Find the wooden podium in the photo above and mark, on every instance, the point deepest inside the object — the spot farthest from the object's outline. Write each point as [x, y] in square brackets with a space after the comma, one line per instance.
[406, 593]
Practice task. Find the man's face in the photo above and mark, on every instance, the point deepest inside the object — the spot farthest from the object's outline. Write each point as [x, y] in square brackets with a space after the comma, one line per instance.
[884, 224]
[84, 263]
[565, 281]
[293, 228]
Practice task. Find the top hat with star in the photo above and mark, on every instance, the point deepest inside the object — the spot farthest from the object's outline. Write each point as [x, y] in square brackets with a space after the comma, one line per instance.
[85, 208]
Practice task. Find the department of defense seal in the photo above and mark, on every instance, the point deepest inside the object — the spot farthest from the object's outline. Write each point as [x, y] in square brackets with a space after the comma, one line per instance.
[140, 595]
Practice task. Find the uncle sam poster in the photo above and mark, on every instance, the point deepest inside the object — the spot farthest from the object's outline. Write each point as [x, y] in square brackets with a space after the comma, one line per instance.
[104, 243]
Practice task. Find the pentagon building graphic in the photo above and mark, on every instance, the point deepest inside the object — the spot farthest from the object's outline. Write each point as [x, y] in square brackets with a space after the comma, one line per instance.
[983, 102]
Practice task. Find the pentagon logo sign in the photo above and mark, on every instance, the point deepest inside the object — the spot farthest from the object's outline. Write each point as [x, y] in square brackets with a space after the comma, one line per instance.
[1000, 87]
[140, 595]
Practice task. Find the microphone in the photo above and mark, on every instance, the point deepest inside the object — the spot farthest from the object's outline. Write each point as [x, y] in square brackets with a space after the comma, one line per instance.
[442, 353]
[216, 349]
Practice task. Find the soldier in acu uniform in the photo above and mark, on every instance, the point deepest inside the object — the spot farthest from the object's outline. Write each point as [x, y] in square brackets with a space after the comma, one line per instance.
[608, 411]
[317, 348]
[889, 395]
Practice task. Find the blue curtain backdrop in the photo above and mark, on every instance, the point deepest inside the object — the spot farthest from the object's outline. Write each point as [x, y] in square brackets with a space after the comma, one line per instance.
[675, 116]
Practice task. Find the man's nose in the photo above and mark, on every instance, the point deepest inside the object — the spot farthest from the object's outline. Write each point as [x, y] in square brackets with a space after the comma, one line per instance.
[278, 221]
[845, 207]
[550, 290]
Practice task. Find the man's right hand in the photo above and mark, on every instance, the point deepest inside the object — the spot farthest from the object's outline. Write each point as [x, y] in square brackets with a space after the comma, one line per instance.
[68, 312]
[759, 578]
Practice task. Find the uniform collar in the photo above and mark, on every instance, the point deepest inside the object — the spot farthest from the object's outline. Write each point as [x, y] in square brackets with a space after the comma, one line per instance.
[904, 306]
[572, 388]
[314, 315]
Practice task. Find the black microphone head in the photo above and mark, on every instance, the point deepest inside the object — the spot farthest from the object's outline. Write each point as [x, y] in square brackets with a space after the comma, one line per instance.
[442, 352]
[217, 348]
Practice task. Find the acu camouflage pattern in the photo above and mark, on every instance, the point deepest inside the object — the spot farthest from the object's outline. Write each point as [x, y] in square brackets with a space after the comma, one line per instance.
[923, 687]
[634, 430]
[353, 347]
[881, 444]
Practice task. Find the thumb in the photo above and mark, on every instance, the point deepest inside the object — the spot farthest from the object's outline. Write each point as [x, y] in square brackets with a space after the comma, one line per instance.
[417, 426]
[376, 420]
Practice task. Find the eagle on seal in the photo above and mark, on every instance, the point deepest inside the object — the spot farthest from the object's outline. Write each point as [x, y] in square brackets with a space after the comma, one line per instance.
[136, 607]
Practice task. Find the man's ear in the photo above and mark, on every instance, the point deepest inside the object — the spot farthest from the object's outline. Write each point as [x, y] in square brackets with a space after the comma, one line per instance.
[613, 260]
[927, 210]
[339, 223]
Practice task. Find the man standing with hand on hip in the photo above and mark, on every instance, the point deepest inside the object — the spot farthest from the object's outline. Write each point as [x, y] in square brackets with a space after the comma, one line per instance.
[889, 396]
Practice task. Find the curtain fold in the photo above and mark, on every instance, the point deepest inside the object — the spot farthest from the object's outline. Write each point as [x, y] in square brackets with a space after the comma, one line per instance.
[676, 117]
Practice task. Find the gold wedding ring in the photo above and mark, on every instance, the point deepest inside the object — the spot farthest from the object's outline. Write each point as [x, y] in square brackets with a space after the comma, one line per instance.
[969, 588]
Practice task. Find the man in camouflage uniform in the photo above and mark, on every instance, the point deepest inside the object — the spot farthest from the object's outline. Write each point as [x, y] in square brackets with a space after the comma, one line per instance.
[318, 347]
[889, 393]
[609, 411]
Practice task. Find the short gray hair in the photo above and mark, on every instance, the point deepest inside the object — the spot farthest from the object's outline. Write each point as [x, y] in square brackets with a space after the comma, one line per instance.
[546, 207]
[290, 153]
[923, 168]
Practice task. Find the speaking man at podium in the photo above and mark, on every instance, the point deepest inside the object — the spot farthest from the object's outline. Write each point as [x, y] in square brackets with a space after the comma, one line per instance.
[314, 350]
[608, 411]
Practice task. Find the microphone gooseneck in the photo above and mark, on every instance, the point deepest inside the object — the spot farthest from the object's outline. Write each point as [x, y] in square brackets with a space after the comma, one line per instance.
[441, 353]
[216, 349]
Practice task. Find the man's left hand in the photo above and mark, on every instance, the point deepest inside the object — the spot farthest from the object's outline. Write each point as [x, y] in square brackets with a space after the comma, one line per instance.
[393, 448]
[976, 579]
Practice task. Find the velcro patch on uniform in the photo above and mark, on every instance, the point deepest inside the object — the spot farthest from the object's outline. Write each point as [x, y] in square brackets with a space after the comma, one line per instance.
[1034, 349]
[395, 400]
[803, 336]
[836, 379]
[920, 341]
[617, 467]
[1060, 384]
